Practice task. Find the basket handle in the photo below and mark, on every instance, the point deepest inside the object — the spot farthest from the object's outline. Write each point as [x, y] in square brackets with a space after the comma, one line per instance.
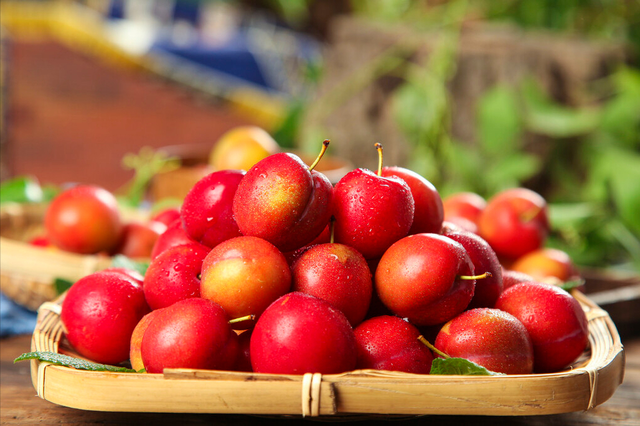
[52, 307]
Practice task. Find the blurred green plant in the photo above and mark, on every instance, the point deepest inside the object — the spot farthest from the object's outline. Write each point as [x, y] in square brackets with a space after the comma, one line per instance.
[596, 210]
[26, 189]
[604, 19]
[601, 19]
[294, 12]
[145, 165]
[422, 104]
[591, 173]
[286, 132]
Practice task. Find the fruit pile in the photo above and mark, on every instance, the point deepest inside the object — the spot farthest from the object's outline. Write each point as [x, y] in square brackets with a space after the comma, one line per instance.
[276, 270]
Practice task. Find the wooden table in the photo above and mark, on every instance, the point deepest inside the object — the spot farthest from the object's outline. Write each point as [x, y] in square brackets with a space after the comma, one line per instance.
[20, 405]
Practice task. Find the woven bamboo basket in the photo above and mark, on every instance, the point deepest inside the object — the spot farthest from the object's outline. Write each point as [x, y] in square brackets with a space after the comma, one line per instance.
[28, 272]
[589, 382]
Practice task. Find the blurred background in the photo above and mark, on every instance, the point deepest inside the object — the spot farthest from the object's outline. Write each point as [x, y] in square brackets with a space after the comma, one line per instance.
[474, 95]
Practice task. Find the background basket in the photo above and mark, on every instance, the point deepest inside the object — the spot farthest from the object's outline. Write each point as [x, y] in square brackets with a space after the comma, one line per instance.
[588, 383]
[28, 272]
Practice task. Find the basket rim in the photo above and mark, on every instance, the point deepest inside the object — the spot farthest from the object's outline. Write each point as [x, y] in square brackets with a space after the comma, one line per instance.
[587, 385]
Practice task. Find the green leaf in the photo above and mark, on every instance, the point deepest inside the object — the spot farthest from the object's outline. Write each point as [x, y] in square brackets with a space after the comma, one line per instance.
[388, 10]
[69, 361]
[570, 285]
[626, 238]
[561, 122]
[49, 192]
[621, 118]
[563, 214]
[295, 12]
[22, 189]
[61, 285]
[498, 121]
[121, 261]
[465, 169]
[425, 164]
[545, 117]
[627, 80]
[459, 366]
[287, 131]
[621, 114]
[615, 174]
[416, 110]
[510, 170]
[626, 191]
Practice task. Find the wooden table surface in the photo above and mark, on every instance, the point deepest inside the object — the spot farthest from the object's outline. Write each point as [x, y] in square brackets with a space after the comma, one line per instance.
[19, 404]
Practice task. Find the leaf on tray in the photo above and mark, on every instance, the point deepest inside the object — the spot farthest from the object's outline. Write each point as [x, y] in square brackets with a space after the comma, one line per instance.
[570, 285]
[61, 285]
[459, 366]
[69, 361]
[121, 261]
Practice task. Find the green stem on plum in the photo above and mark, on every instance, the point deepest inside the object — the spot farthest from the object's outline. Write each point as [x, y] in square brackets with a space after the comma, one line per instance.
[325, 145]
[528, 215]
[379, 148]
[244, 318]
[475, 277]
[422, 339]
[331, 229]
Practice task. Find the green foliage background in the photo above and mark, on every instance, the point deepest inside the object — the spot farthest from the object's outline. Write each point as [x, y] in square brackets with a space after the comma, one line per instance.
[593, 169]
[592, 173]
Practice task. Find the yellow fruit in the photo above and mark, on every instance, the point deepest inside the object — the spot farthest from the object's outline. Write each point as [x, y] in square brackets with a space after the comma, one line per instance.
[546, 262]
[241, 148]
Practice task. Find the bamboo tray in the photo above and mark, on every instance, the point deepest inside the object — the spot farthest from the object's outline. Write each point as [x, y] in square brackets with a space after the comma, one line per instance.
[28, 272]
[590, 382]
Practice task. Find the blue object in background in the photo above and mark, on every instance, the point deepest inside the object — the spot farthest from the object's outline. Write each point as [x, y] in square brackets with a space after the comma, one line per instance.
[233, 59]
[116, 9]
[187, 10]
[15, 319]
[219, 46]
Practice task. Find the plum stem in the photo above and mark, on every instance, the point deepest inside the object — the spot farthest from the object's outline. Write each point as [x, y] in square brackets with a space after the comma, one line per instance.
[422, 339]
[331, 229]
[528, 215]
[475, 277]
[325, 145]
[244, 318]
[379, 148]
